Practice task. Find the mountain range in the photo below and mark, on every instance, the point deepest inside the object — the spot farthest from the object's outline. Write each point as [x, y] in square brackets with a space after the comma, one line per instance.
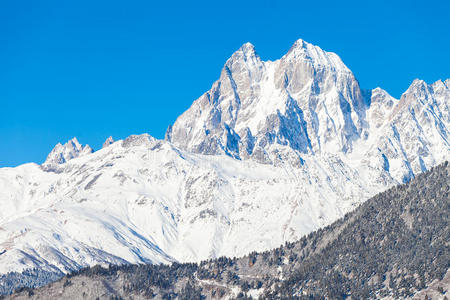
[273, 151]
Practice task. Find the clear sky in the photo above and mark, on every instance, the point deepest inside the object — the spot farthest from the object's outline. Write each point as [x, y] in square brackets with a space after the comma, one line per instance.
[92, 69]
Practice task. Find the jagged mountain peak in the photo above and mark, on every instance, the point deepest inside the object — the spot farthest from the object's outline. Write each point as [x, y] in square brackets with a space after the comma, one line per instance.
[244, 53]
[380, 95]
[292, 102]
[417, 84]
[422, 91]
[309, 103]
[73, 143]
[299, 50]
[440, 85]
[421, 85]
[108, 142]
[384, 98]
[60, 154]
[379, 90]
[244, 65]
[300, 43]
[302, 50]
[247, 48]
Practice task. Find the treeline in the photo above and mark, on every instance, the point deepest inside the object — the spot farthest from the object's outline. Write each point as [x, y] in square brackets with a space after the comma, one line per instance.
[29, 279]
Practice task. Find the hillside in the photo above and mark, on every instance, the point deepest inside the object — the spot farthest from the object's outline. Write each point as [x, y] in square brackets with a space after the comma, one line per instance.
[395, 245]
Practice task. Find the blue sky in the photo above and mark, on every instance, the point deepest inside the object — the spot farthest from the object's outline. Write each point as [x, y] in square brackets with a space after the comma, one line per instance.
[92, 69]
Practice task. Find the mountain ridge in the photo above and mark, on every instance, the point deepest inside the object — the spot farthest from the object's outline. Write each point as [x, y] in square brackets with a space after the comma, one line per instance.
[272, 152]
[218, 121]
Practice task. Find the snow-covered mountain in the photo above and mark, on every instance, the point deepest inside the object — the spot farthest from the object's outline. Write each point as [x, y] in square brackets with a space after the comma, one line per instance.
[308, 100]
[308, 103]
[272, 152]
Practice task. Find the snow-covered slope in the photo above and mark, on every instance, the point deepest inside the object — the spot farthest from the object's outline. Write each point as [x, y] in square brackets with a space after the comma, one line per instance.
[143, 200]
[273, 151]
